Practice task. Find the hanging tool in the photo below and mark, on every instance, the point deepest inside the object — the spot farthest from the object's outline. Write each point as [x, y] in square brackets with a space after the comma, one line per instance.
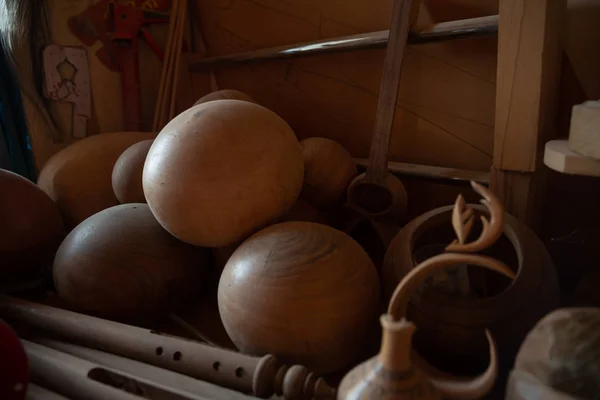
[129, 23]
[118, 25]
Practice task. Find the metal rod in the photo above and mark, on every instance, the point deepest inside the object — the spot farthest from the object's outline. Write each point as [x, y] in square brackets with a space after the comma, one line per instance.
[431, 172]
[461, 29]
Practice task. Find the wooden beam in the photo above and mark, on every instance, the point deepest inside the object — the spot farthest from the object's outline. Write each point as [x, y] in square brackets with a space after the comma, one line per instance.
[528, 75]
[452, 30]
[432, 172]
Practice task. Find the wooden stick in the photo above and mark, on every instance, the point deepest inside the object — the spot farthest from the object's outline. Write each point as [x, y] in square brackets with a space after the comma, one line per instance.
[178, 47]
[388, 93]
[474, 27]
[183, 324]
[145, 371]
[163, 75]
[262, 376]
[163, 116]
[431, 172]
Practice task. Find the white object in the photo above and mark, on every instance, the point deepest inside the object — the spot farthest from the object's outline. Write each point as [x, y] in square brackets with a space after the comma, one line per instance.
[559, 157]
[584, 136]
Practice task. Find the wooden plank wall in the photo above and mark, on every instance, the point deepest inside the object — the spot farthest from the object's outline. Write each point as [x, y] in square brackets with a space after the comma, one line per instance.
[446, 104]
[445, 113]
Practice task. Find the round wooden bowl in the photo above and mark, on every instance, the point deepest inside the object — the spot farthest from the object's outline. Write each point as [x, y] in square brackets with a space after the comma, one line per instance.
[302, 291]
[31, 227]
[328, 170]
[79, 177]
[127, 173]
[222, 170]
[225, 94]
[451, 326]
[121, 264]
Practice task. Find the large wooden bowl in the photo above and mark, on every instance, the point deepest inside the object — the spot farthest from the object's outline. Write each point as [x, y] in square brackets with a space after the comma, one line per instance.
[452, 327]
[222, 170]
[79, 177]
[303, 291]
[31, 228]
[121, 264]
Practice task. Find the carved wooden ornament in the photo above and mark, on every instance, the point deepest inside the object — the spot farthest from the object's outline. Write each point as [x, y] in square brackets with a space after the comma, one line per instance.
[397, 372]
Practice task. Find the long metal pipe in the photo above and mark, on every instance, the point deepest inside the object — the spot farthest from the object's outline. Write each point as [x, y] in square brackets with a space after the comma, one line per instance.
[467, 28]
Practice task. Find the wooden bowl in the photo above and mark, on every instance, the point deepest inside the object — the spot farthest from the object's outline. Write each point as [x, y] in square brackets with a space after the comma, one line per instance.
[452, 327]
[225, 94]
[127, 173]
[121, 264]
[328, 170]
[31, 227]
[79, 177]
[302, 291]
[222, 170]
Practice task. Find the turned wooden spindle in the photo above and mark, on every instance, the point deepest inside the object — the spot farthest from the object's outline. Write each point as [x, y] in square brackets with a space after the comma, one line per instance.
[262, 376]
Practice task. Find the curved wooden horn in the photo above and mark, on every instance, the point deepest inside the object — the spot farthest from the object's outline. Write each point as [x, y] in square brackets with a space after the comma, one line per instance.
[475, 388]
[462, 221]
[450, 387]
[412, 280]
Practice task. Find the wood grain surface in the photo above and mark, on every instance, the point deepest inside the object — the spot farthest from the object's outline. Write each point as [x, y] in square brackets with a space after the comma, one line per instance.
[297, 290]
[447, 94]
[121, 264]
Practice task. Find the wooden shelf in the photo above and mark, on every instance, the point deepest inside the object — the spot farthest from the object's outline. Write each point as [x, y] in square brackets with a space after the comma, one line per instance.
[558, 157]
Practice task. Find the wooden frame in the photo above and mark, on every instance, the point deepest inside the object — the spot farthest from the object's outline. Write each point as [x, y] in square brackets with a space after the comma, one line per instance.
[528, 75]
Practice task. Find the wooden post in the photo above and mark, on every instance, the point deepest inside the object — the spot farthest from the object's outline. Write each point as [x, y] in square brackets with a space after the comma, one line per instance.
[529, 59]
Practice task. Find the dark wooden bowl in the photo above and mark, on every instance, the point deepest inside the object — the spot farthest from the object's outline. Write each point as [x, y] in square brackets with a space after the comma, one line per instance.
[31, 228]
[451, 329]
[120, 264]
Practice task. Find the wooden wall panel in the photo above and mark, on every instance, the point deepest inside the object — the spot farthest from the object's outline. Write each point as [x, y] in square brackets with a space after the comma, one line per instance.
[445, 110]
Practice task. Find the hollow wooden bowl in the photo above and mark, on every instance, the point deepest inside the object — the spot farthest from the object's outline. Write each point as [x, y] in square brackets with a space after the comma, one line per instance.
[452, 326]
[121, 264]
[31, 227]
[79, 177]
[127, 173]
[302, 291]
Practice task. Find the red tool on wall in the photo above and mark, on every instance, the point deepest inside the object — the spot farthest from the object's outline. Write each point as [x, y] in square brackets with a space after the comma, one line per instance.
[118, 25]
[129, 25]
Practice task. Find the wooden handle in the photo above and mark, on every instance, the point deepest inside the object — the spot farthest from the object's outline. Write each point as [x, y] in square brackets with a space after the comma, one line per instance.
[388, 93]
